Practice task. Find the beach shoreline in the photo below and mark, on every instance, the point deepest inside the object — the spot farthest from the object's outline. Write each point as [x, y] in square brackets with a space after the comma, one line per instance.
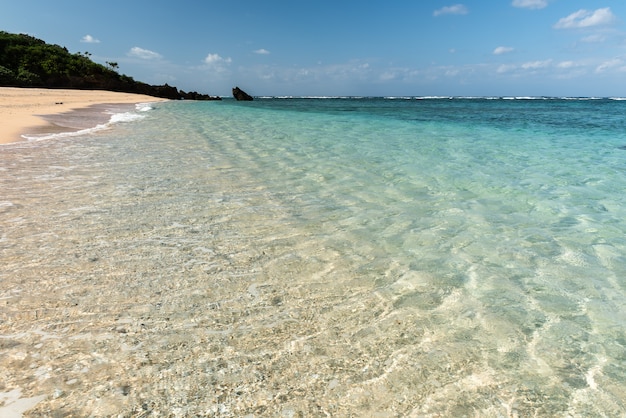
[22, 110]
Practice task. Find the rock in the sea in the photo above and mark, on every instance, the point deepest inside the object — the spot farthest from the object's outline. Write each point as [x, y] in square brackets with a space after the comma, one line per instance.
[239, 94]
[194, 95]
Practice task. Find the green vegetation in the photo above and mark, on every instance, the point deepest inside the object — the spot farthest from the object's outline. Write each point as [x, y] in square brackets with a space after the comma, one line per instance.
[26, 61]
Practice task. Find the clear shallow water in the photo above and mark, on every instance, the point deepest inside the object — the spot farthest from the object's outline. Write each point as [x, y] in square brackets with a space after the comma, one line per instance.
[322, 257]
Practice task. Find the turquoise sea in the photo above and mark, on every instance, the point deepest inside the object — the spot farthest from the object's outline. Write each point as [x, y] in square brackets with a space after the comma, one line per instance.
[344, 257]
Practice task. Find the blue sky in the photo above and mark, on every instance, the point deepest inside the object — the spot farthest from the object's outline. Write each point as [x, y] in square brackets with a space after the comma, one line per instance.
[322, 47]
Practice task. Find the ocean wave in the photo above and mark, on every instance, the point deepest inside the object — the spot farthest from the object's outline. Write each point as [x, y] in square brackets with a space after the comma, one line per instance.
[144, 107]
[125, 117]
[115, 118]
[317, 97]
[402, 97]
[42, 137]
[439, 98]
[434, 97]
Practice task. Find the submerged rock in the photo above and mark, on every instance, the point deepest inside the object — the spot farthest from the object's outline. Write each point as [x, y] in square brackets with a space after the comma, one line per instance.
[239, 94]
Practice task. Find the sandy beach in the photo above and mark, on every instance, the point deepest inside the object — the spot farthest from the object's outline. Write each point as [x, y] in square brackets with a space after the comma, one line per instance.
[21, 108]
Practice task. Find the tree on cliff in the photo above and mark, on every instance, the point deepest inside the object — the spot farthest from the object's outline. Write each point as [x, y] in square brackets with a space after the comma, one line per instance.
[30, 62]
[26, 61]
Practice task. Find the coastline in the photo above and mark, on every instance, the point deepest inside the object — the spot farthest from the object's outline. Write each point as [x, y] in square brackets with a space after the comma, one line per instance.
[22, 110]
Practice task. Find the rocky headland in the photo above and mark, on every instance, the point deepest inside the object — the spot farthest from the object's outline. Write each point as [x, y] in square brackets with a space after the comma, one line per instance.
[26, 61]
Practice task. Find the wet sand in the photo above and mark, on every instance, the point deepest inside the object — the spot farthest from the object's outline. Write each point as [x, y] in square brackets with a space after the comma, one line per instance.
[21, 108]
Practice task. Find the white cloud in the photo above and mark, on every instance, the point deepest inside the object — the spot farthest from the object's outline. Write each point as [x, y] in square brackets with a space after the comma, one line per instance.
[530, 4]
[215, 59]
[502, 50]
[262, 51]
[217, 64]
[527, 66]
[535, 65]
[594, 38]
[607, 65]
[505, 68]
[144, 54]
[88, 39]
[457, 9]
[328, 74]
[566, 64]
[585, 19]
[387, 76]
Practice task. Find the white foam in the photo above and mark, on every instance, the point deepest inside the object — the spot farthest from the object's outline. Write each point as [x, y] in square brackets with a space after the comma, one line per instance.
[66, 134]
[144, 107]
[433, 97]
[124, 117]
[115, 118]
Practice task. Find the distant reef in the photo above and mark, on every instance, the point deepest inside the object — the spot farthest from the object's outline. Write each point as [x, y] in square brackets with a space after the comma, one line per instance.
[26, 61]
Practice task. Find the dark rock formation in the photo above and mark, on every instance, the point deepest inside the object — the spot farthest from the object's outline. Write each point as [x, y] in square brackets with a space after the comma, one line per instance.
[194, 95]
[239, 94]
[166, 92]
